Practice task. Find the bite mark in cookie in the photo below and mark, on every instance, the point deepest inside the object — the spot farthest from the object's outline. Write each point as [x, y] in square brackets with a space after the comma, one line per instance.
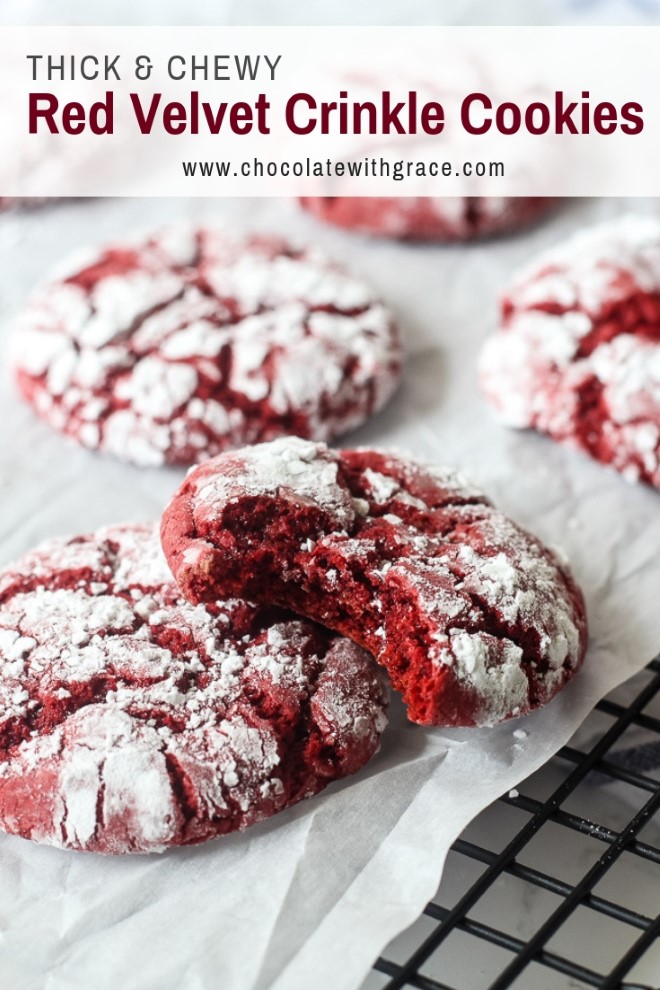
[474, 619]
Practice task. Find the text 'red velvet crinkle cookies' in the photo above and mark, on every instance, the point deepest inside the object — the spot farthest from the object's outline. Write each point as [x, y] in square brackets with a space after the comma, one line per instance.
[577, 354]
[474, 619]
[428, 218]
[131, 721]
[175, 347]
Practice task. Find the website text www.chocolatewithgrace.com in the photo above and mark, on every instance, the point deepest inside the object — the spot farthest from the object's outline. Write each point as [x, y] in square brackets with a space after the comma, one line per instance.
[397, 170]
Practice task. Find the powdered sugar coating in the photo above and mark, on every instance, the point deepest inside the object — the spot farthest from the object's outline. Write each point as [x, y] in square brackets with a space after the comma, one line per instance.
[135, 721]
[475, 620]
[428, 218]
[173, 348]
[577, 354]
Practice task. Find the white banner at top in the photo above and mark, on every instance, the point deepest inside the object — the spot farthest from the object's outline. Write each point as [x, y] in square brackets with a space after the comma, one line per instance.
[358, 111]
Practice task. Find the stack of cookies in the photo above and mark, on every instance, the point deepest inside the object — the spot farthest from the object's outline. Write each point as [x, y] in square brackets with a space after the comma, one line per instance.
[162, 686]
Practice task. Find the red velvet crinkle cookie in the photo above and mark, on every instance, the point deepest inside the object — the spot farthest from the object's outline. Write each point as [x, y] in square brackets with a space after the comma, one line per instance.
[190, 342]
[132, 721]
[426, 218]
[475, 620]
[577, 354]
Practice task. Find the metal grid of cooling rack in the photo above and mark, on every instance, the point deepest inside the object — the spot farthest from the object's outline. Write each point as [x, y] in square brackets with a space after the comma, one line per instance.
[599, 759]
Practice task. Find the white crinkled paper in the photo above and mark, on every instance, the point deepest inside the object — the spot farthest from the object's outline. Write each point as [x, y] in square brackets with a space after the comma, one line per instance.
[310, 898]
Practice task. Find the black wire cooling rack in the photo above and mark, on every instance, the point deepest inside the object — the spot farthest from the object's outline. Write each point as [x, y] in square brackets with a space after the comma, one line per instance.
[598, 926]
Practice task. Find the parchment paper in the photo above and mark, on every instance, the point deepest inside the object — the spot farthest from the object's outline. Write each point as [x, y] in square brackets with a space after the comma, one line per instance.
[310, 898]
